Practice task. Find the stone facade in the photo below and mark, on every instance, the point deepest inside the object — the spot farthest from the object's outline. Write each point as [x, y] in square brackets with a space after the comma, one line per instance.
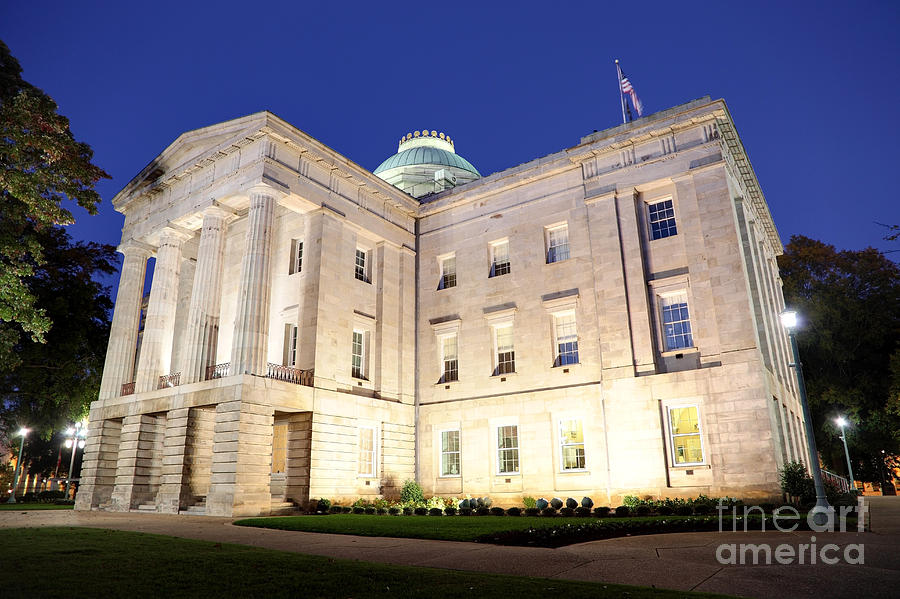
[601, 321]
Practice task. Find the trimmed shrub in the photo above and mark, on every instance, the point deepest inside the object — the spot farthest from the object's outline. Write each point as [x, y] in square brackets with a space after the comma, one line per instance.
[548, 511]
[541, 504]
[571, 503]
[532, 511]
[587, 502]
[359, 510]
[335, 509]
[556, 503]
[346, 509]
[394, 511]
[323, 506]
[370, 510]
[465, 504]
[665, 510]
[513, 511]
[450, 511]
[497, 511]
[623, 511]
[465, 511]
[407, 511]
[567, 511]
[582, 512]
[50, 496]
[529, 502]
[602, 511]
[420, 511]
[642, 510]
[435, 511]
[485, 501]
[683, 510]
[381, 511]
[411, 492]
[483, 511]
[767, 507]
[702, 509]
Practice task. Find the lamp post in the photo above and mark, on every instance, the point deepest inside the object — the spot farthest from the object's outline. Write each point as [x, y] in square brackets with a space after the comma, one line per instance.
[75, 439]
[12, 496]
[842, 422]
[823, 509]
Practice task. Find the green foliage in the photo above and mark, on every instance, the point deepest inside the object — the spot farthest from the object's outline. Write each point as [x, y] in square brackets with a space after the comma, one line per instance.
[529, 502]
[322, 506]
[849, 302]
[411, 493]
[794, 479]
[41, 165]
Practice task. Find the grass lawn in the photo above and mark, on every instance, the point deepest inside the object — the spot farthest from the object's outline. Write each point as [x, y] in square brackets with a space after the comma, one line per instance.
[11, 507]
[84, 562]
[451, 528]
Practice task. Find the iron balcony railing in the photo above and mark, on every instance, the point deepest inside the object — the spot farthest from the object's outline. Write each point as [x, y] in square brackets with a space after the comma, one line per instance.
[169, 380]
[128, 388]
[290, 374]
[218, 371]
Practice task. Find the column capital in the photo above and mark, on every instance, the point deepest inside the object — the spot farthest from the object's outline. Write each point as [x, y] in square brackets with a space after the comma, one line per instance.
[133, 246]
[265, 189]
[174, 234]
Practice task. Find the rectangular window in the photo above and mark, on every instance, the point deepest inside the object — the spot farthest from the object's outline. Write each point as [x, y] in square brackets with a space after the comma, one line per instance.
[449, 453]
[499, 258]
[508, 449]
[448, 273]
[450, 358]
[557, 244]
[566, 339]
[362, 265]
[506, 355]
[662, 220]
[358, 360]
[296, 256]
[684, 428]
[290, 345]
[366, 452]
[676, 322]
[571, 441]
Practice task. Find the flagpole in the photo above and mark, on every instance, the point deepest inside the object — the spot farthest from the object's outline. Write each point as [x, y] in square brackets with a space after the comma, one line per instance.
[621, 95]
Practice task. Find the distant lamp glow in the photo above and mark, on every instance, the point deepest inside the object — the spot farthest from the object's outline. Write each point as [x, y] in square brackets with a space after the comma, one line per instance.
[789, 319]
[841, 421]
[75, 441]
[23, 431]
[12, 496]
[68, 443]
[70, 431]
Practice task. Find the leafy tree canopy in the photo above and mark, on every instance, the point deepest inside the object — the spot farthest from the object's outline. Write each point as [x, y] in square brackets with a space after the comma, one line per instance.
[41, 165]
[53, 383]
[849, 346]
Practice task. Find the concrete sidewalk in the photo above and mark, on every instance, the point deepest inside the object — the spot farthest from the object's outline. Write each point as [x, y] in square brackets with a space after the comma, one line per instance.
[684, 561]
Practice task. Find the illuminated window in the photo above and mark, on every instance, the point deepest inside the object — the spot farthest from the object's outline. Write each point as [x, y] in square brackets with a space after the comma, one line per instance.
[508, 449]
[684, 428]
[662, 219]
[571, 441]
[366, 452]
[449, 453]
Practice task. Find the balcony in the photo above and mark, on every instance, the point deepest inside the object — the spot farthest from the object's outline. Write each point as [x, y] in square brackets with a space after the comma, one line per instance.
[128, 388]
[289, 374]
[218, 371]
[169, 380]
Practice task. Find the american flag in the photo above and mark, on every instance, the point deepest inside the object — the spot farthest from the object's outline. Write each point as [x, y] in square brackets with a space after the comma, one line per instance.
[627, 88]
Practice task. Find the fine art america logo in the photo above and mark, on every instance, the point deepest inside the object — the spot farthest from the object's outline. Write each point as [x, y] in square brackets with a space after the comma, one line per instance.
[787, 519]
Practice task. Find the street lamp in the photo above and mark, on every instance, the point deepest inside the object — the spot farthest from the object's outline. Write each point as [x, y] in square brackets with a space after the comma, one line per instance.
[823, 509]
[12, 496]
[842, 422]
[74, 439]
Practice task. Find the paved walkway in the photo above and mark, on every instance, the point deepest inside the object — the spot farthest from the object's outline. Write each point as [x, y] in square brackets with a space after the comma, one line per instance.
[684, 561]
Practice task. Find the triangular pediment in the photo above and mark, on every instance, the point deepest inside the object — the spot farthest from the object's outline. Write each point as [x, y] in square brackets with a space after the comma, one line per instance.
[192, 150]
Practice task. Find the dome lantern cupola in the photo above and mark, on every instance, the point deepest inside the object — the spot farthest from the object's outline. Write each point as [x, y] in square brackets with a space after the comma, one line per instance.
[426, 162]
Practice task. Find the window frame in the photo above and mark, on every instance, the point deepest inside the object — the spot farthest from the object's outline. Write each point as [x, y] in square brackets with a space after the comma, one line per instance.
[492, 255]
[296, 259]
[442, 452]
[373, 473]
[562, 445]
[549, 248]
[363, 372]
[499, 450]
[557, 354]
[496, 341]
[291, 341]
[673, 226]
[670, 430]
[441, 340]
[445, 281]
[363, 274]
[661, 298]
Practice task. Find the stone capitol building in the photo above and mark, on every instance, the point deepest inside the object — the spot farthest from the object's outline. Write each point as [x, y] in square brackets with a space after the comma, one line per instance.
[600, 321]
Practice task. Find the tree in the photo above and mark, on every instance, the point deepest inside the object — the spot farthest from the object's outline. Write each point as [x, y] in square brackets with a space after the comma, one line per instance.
[41, 165]
[53, 383]
[850, 347]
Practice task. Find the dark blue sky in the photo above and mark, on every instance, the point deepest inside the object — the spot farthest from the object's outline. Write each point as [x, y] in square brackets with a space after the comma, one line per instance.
[814, 87]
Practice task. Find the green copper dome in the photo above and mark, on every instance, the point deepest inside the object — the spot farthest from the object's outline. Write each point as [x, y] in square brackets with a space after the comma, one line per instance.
[426, 155]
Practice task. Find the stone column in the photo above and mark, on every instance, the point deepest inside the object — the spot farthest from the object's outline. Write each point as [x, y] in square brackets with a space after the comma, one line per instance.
[156, 346]
[251, 325]
[203, 318]
[119, 365]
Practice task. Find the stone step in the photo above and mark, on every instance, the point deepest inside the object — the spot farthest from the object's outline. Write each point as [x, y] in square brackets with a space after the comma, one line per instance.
[147, 507]
[279, 508]
[195, 510]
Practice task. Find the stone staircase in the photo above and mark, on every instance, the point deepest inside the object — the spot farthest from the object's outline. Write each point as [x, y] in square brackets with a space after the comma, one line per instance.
[282, 508]
[197, 509]
[145, 507]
